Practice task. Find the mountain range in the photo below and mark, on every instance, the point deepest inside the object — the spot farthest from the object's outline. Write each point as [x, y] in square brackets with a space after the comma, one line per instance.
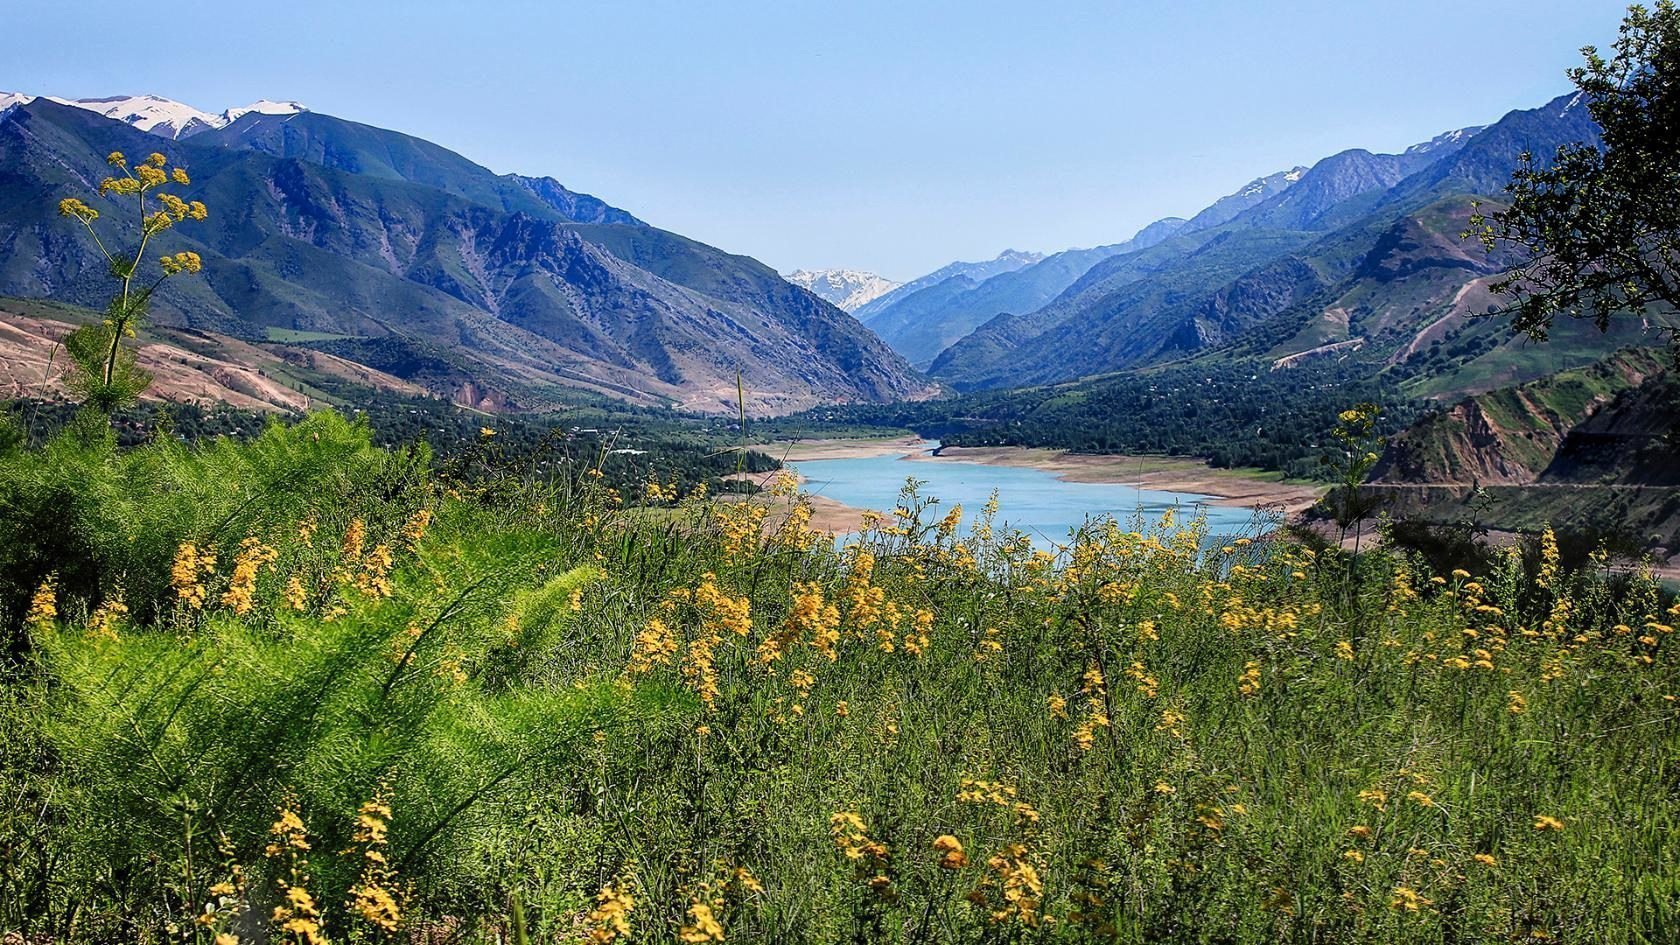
[499, 291]
[1358, 256]
[506, 291]
[160, 116]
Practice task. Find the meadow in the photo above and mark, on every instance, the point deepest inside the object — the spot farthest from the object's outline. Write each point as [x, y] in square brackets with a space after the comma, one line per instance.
[302, 688]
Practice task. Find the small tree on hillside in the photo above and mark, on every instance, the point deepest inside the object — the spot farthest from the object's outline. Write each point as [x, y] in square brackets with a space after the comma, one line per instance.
[104, 373]
[1601, 226]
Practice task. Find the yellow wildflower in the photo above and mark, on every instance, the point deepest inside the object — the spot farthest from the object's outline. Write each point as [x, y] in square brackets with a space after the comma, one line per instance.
[702, 926]
[242, 586]
[950, 850]
[609, 921]
[1408, 899]
[188, 573]
[43, 607]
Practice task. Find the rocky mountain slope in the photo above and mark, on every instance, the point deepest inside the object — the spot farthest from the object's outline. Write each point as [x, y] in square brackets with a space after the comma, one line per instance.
[496, 290]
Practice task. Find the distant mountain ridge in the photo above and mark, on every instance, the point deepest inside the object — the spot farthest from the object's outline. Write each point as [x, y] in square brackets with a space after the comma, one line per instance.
[987, 320]
[499, 291]
[1300, 250]
[160, 116]
[925, 322]
[922, 327]
[850, 289]
[1007, 261]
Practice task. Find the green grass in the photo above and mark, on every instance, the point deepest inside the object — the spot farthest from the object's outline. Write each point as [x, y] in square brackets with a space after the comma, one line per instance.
[293, 335]
[558, 699]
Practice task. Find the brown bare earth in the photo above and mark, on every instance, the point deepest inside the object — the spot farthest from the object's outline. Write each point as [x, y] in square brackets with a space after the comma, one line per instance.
[807, 450]
[186, 366]
[1166, 473]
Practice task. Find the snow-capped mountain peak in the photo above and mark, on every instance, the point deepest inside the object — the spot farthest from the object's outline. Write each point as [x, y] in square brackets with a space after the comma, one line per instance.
[160, 116]
[262, 107]
[849, 289]
[163, 117]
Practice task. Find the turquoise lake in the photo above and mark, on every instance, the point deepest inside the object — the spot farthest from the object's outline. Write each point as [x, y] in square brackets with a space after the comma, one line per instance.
[1035, 502]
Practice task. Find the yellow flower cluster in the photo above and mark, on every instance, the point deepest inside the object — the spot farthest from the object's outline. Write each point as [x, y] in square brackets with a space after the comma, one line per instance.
[181, 262]
[43, 606]
[374, 576]
[851, 838]
[998, 794]
[1408, 899]
[414, 529]
[719, 613]
[654, 645]
[374, 896]
[355, 539]
[809, 618]
[609, 921]
[187, 575]
[950, 850]
[740, 525]
[1094, 687]
[702, 924]
[72, 207]
[177, 209]
[1012, 890]
[297, 919]
[1248, 684]
[242, 586]
[870, 857]
[102, 624]
[655, 491]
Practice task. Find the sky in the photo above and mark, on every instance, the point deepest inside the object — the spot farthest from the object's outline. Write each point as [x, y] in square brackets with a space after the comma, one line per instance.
[888, 136]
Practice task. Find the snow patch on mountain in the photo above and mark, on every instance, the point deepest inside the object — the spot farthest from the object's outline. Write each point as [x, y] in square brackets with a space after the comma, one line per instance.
[160, 116]
[1445, 140]
[848, 289]
[262, 107]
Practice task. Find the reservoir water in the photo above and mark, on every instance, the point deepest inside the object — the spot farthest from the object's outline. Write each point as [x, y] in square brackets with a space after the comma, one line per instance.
[1038, 503]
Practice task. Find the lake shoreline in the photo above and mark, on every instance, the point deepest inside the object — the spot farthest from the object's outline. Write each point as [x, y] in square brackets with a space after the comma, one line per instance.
[1158, 473]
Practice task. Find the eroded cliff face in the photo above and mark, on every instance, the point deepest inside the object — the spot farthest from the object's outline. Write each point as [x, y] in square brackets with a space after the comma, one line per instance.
[1552, 429]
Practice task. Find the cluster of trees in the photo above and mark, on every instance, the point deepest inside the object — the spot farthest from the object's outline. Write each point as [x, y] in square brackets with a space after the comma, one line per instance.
[1234, 413]
[629, 449]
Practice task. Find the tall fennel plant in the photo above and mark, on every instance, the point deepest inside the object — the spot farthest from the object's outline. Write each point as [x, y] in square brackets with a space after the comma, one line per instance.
[103, 372]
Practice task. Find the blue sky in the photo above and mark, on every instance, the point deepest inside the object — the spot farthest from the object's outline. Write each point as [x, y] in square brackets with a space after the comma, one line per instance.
[893, 136]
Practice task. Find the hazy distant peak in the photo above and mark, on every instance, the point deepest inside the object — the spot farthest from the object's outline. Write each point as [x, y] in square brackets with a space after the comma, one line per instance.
[1444, 141]
[849, 289]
